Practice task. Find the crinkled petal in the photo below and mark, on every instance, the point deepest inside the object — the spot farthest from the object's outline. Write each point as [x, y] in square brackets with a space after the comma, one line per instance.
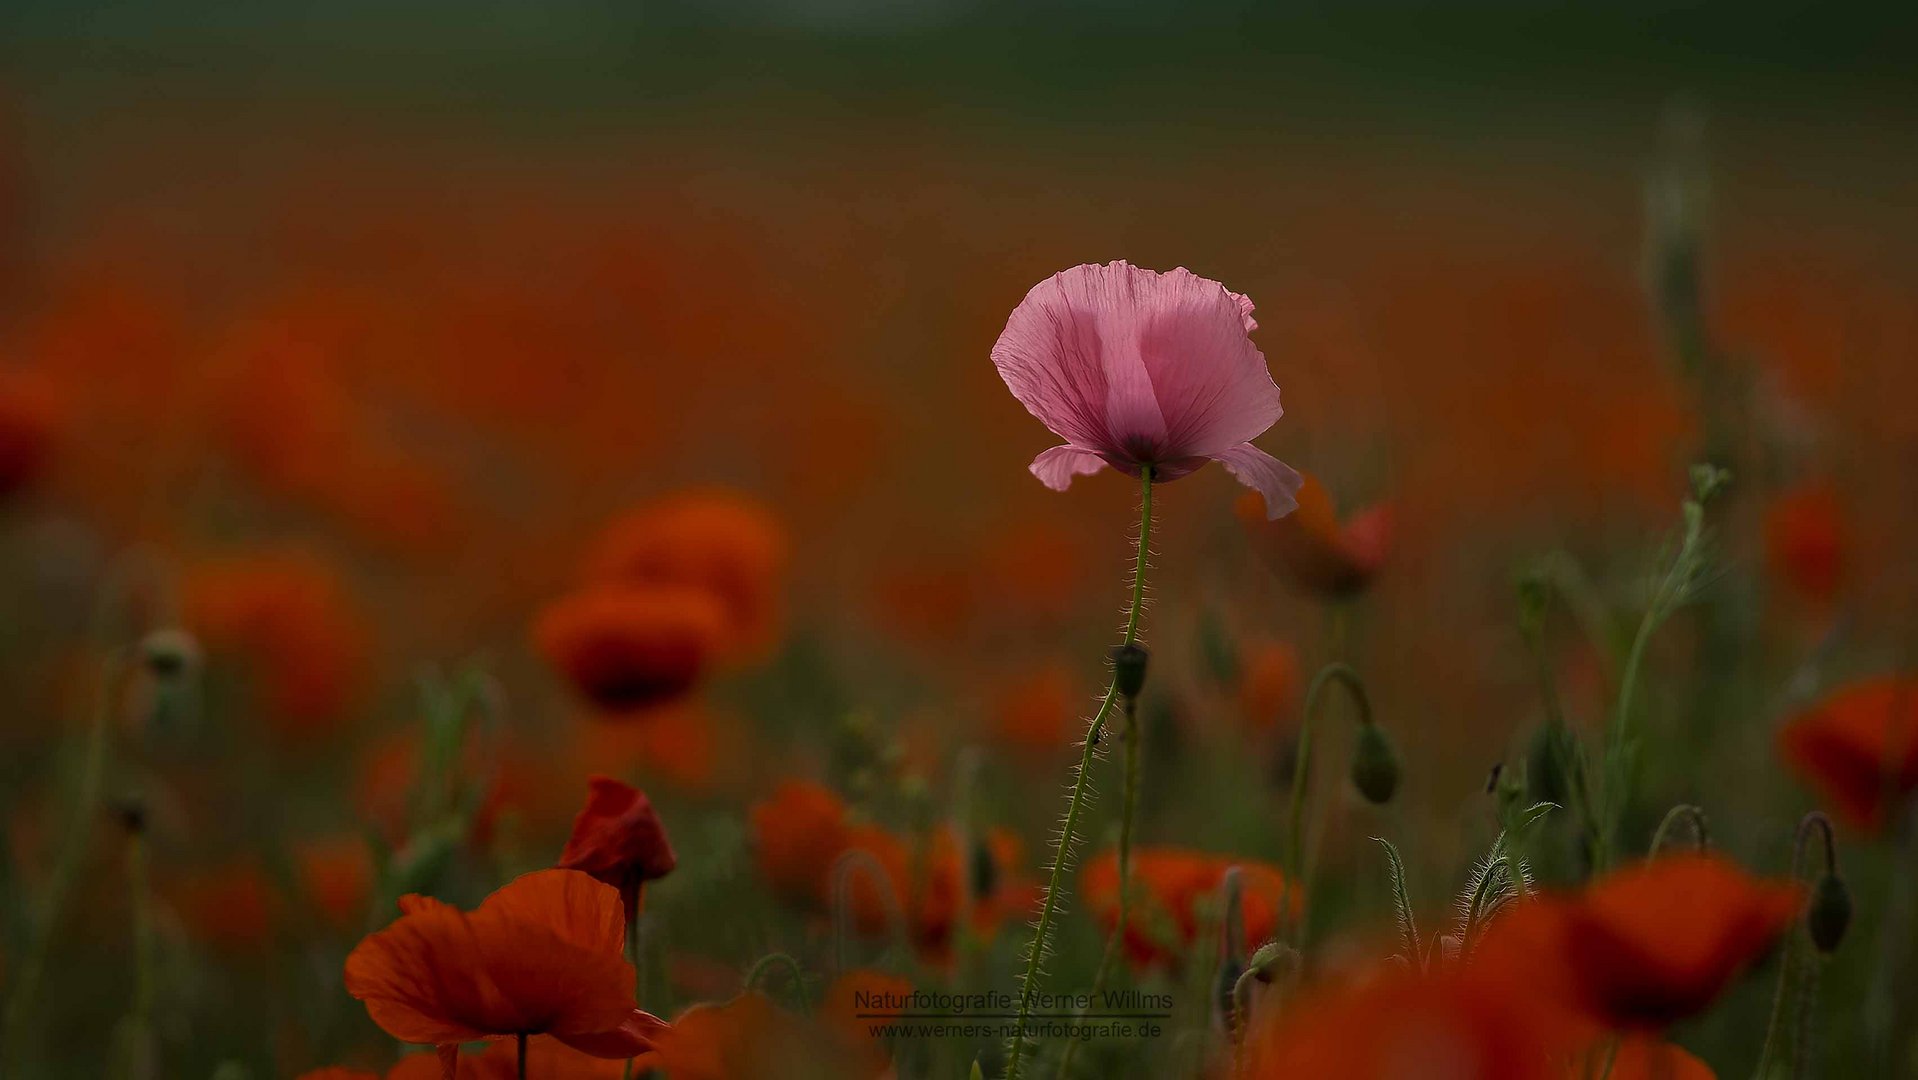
[1210, 381]
[1273, 479]
[1056, 467]
[635, 1037]
[419, 978]
[570, 904]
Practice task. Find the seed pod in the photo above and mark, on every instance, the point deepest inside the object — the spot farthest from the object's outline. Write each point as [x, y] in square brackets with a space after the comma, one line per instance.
[1375, 765]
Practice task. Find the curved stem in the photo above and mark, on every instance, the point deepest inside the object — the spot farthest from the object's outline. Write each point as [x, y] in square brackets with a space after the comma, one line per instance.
[1075, 803]
[844, 918]
[86, 798]
[793, 972]
[1787, 1031]
[1301, 767]
[1693, 816]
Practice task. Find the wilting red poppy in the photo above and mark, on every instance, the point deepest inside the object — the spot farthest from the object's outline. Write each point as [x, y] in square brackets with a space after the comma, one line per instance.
[540, 956]
[724, 542]
[625, 648]
[1311, 548]
[1404, 1024]
[1170, 887]
[1859, 748]
[1805, 541]
[619, 840]
[28, 421]
[290, 616]
[1647, 945]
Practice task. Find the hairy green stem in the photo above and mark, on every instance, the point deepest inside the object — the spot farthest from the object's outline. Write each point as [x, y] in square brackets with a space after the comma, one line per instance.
[1075, 803]
[1115, 942]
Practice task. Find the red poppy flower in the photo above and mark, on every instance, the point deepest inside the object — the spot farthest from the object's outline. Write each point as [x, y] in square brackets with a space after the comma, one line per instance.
[1170, 886]
[337, 875]
[1805, 541]
[1268, 684]
[797, 833]
[750, 1038]
[1859, 748]
[1312, 549]
[290, 616]
[540, 956]
[1402, 1024]
[723, 542]
[546, 1059]
[627, 648]
[334, 1072]
[1645, 946]
[1642, 1057]
[619, 840]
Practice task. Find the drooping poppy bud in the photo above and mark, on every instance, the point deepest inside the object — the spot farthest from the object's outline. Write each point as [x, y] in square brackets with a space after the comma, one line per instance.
[1829, 913]
[170, 654]
[1128, 669]
[1375, 764]
[619, 840]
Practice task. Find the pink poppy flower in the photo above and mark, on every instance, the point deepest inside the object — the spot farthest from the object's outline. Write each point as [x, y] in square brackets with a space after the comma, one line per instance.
[1135, 368]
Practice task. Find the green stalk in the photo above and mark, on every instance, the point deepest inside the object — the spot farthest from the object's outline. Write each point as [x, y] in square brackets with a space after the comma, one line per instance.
[1301, 766]
[1115, 942]
[1075, 804]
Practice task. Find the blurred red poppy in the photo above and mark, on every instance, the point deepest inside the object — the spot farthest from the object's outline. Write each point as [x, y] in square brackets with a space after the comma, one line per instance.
[724, 542]
[619, 840]
[1645, 946]
[1859, 748]
[627, 648]
[1312, 549]
[540, 956]
[1171, 886]
[1806, 541]
[29, 420]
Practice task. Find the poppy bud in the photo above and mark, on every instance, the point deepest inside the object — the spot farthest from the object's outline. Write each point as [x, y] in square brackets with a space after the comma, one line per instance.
[1375, 765]
[619, 839]
[983, 868]
[1829, 913]
[170, 654]
[1128, 669]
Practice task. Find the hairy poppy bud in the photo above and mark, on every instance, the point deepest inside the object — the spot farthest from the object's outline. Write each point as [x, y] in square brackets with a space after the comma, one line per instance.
[1375, 765]
[1128, 669]
[1829, 913]
[170, 654]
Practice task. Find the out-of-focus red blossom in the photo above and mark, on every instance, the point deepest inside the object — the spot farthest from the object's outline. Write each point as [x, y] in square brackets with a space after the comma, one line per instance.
[1034, 570]
[750, 1038]
[1403, 1024]
[1312, 549]
[546, 1058]
[1806, 542]
[234, 909]
[1647, 945]
[1268, 684]
[29, 422]
[335, 1072]
[679, 746]
[336, 873]
[1038, 713]
[1170, 885]
[1859, 748]
[1642, 1057]
[926, 602]
[724, 542]
[516, 779]
[543, 955]
[801, 830]
[618, 839]
[293, 620]
[625, 648]
[293, 422]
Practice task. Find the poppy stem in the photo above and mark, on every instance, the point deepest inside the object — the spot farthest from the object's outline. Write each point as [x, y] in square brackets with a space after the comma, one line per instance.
[1115, 941]
[1693, 816]
[1346, 676]
[634, 956]
[86, 798]
[522, 1055]
[1075, 803]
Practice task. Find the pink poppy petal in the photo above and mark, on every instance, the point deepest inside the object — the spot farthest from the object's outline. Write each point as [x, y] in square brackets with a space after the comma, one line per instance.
[1056, 467]
[1211, 382]
[1278, 482]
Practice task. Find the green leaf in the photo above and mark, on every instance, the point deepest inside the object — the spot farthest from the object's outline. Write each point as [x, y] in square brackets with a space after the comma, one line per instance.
[1402, 904]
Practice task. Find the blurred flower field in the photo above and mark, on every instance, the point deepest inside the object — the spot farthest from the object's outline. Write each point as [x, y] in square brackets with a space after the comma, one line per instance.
[565, 606]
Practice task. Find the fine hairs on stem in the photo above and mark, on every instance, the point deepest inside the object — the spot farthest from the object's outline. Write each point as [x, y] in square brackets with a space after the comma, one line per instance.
[1075, 803]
